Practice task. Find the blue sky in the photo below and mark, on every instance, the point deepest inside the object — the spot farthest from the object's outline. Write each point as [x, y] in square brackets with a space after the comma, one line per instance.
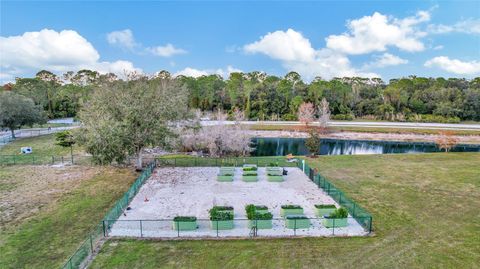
[316, 38]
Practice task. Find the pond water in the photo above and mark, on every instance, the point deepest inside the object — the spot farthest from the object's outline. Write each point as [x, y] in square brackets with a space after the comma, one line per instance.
[296, 146]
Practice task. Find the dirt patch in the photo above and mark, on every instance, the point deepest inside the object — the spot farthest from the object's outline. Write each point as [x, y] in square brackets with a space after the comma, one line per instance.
[26, 190]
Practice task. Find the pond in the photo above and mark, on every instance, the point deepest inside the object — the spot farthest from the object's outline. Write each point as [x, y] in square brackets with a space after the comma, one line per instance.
[296, 146]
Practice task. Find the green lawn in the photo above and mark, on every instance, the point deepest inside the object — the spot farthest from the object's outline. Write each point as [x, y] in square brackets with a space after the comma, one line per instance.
[425, 209]
[48, 237]
[43, 148]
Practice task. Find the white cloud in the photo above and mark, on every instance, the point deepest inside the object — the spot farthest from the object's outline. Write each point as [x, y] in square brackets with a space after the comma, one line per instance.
[386, 59]
[297, 54]
[469, 26]
[454, 66]
[123, 38]
[377, 32]
[54, 51]
[166, 51]
[126, 40]
[439, 47]
[192, 72]
[285, 46]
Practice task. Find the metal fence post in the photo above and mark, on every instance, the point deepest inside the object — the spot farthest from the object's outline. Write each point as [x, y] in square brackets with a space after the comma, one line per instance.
[294, 227]
[217, 226]
[178, 228]
[91, 243]
[370, 226]
[333, 231]
[141, 229]
[104, 232]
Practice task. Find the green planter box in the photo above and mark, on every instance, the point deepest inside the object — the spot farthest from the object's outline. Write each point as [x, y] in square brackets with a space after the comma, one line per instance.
[338, 222]
[223, 178]
[261, 224]
[226, 210]
[293, 211]
[227, 170]
[222, 224]
[184, 225]
[261, 210]
[297, 223]
[320, 212]
[250, 178]
[275, 178]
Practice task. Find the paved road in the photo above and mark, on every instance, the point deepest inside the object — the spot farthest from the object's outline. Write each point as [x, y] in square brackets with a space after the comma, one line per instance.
[366, 124]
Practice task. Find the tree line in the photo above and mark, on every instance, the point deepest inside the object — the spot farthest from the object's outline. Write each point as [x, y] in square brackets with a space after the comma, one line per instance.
[265, 97]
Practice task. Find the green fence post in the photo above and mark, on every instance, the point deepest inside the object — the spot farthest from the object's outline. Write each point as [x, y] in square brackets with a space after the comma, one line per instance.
[216, 222]
[141, 229]
[33, 159]
[104, 232]
[354, 207]
[62, 159]
[14, 162]
[333, 231]
[340, 199]
[178, 229]
[91, 243]
[294, 227]
[370, 225]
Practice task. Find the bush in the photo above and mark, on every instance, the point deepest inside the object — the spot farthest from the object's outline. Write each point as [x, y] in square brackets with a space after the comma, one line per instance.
[432, 118]
[325, 206]
[222, 208]
[291, 207]
[259, 207]
[273, 164]
[264, 216]
[343, 117]
[340, 213]
[218, 214]
[249, 168]
[184, 218]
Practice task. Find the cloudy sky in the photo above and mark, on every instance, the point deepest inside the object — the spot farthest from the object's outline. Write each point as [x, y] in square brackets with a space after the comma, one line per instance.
[386, 39]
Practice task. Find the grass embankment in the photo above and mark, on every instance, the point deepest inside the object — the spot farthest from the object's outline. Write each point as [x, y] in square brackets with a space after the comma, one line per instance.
[68, 203]
[43, 148]
[262, 127]
[425, 211]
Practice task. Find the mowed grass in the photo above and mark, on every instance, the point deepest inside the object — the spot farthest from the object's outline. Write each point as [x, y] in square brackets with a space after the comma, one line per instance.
[356, 129]
[425, 209]
[49, 237]
[43, 148]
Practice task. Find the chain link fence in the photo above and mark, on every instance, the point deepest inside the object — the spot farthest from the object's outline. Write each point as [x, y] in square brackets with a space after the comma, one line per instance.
[33, 159]
[93, 239]
[361, 215]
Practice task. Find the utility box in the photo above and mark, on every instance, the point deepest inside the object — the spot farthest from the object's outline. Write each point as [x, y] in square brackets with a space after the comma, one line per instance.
[26, 150]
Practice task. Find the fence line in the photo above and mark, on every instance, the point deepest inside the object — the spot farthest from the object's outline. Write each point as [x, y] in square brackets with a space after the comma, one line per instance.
[361, 215]
[33, 159]
[238, 227]
[218, 162]
[94, 237]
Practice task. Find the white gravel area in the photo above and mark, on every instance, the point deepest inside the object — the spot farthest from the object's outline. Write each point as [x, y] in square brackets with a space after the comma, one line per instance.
[192, 191]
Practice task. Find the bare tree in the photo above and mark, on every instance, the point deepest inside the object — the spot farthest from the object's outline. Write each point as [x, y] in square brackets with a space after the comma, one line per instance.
[306, 113]
[323, 114]
[221, 139]
[446, 141]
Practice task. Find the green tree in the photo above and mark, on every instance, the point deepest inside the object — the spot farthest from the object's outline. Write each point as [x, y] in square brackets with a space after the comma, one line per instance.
[65, 139]
[17, 110]
[313, 142]
[124, 117]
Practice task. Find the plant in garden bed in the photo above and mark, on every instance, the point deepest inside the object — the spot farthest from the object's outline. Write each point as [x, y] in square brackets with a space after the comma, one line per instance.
[258, 217]
[185, 223]
[338, 218]
[250, 168]
[324, 209]
[286, 210]
[297, 222]
[221, 218]
[249, 175]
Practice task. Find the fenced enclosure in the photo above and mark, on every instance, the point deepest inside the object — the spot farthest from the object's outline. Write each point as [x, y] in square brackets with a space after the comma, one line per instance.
[358, 223]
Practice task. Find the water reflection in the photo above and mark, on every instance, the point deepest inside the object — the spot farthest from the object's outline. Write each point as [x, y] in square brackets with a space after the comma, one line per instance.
[296, 146]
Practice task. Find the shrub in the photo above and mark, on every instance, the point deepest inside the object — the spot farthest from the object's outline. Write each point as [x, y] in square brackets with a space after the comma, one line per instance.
[222, 208]
[264, 216]
[291, 207]
[184, 218]
[218, 214]
[343, 117]
[340, 213]
[258, 207]
[432, 118]
[250, 209]
[249, 168]
[325, 206]
[273, 164]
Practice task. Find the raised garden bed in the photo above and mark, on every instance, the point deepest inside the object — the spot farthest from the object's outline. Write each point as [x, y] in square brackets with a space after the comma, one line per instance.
[324, 210]
[221, 217]
[286, 210]
[226, 171]
[297, 222]
[275, 178]
[250, 178]
[225, 178]
[258, 216]
[338, 218]
[184, 223]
